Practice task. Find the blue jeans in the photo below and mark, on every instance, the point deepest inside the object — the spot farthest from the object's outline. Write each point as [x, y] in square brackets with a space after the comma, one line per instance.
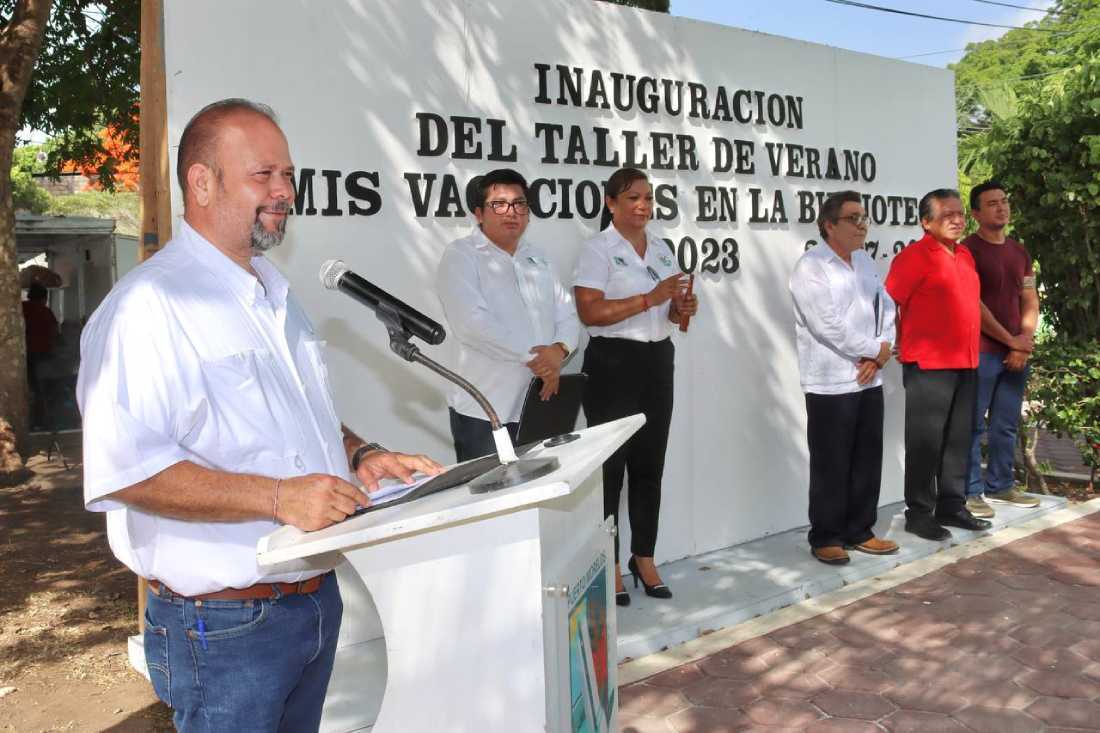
[1001, 394]
[264, 665]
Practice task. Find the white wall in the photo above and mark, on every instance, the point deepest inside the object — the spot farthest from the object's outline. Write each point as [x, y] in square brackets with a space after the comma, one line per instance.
[348, 77]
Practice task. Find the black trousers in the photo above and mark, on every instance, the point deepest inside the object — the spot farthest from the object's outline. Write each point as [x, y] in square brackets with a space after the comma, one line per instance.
[624, 378]
[473, 437]
[37, 385]
[844, 434]
[939, 416]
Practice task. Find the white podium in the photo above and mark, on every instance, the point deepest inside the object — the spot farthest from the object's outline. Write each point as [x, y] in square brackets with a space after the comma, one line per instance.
[495, 612]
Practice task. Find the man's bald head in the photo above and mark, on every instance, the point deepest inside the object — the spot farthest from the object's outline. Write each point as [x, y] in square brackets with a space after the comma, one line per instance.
[199, 142]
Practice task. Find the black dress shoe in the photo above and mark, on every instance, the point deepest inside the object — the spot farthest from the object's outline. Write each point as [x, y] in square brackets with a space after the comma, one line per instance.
[963, 519]
[927, 529]
[654, 591]
[622, 598]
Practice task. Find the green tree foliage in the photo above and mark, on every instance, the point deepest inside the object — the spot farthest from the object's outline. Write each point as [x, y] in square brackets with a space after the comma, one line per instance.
[85, 78]
[1063, 394]
[26, 194]
[990, 72]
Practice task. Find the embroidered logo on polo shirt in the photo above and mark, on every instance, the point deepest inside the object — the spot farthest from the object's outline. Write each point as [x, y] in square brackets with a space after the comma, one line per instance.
[619, 261]
[665, 260]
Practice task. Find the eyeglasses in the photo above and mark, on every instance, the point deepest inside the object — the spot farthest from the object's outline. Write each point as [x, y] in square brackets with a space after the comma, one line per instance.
[952, 215]
[502, 207]
[856, 220]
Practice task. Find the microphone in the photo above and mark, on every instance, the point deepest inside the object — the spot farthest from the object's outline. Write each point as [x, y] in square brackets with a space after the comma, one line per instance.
[403, 322]
[335, 275]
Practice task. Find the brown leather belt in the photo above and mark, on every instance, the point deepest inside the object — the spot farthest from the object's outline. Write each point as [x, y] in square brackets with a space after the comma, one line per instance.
[260, 591]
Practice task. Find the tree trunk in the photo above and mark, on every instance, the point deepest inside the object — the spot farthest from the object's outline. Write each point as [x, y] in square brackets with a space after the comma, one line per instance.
[20, 42]
[1029, 439]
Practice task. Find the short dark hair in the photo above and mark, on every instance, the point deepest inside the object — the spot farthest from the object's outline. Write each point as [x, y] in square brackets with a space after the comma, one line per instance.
[199, 141]
[37, 292]
[479, 186]
[619, 181]
[977, 191]
[830, 210]
[938, 194]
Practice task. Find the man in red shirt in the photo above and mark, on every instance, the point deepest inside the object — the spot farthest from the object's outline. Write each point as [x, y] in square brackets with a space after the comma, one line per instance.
[937, 291]
[1010, 314]
[41, 332]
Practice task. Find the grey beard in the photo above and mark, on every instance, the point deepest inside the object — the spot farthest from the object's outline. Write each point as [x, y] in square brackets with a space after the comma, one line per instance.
[263, 240]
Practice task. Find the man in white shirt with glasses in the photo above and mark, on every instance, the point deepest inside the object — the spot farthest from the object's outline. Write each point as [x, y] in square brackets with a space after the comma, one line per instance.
[844, 328]
[507, 309]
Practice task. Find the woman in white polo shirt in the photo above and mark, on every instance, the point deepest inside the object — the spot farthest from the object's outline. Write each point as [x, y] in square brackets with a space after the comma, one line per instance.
[629, 294]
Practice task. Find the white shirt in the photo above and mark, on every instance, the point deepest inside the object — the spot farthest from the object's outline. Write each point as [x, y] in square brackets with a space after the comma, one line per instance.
[498, 307]
[609, 263]
[189, 358]
[834, 319]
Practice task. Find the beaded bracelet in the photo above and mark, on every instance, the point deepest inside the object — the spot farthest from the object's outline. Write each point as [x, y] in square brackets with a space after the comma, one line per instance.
[275, 504]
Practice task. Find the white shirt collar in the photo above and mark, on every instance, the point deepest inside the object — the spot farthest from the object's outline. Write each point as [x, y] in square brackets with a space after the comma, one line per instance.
[615, 238]
[830, 254]
[483, 243]
[241, 283]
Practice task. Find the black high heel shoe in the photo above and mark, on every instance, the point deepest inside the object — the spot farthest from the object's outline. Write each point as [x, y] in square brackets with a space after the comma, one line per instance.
[622, 598]
[654, 591]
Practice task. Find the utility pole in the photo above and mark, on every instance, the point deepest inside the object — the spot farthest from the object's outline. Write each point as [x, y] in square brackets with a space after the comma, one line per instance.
[156, 201]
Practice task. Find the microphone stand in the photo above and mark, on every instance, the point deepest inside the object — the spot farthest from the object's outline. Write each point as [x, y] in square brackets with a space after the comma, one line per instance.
[512, 471]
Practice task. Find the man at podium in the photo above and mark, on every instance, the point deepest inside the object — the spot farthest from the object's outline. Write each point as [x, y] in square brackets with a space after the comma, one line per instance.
[208, 422]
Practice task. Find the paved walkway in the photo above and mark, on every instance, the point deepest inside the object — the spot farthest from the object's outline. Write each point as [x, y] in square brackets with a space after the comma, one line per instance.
[1003, 642]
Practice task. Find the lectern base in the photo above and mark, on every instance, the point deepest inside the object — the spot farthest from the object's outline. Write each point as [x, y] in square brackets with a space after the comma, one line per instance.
[513, 474]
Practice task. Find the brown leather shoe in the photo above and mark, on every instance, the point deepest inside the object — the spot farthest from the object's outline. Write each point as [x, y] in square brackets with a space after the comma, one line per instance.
[831, 555]
[875, 546]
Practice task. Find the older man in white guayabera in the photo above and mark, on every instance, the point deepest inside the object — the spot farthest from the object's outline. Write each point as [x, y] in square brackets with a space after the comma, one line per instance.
[844, 327]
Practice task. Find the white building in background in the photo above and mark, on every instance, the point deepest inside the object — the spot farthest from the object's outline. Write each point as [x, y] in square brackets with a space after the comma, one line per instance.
[87, 252]
[89, 256]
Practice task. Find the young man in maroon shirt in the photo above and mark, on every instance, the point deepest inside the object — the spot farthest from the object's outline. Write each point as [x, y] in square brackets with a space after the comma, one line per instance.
[937, 291]
[1010, 313]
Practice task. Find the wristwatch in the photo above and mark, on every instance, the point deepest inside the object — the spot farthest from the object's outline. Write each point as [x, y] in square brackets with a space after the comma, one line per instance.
[361, 451]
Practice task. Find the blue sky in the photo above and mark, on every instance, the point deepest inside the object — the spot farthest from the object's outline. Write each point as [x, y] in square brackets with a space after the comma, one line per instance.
[868, 31]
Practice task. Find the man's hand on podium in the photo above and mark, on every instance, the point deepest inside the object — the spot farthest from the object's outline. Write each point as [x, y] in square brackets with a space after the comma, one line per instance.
[315, 501]
[383, 464]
